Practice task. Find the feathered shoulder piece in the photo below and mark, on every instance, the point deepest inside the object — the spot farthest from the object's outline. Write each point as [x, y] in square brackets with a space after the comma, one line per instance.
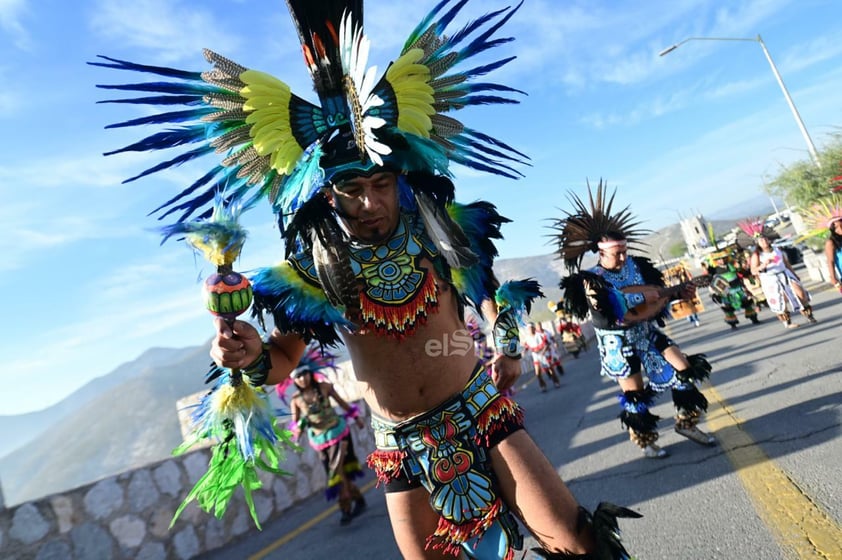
[650, 273]
[751, 229]
[296, 302]
[581, 229]
[265, 142]
[517, 296]
[587, 292]
[821, 216]
[575, 301]
[480, 223]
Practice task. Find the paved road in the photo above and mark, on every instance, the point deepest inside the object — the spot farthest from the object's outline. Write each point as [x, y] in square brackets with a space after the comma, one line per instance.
[771, 490]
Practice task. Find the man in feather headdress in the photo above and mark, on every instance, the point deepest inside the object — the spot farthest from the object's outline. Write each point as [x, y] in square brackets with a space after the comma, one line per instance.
[379, 256]
[626, 299]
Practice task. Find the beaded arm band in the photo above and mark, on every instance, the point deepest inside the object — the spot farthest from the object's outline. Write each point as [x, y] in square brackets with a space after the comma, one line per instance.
[507, 334]
[514, 299]
[258, 371]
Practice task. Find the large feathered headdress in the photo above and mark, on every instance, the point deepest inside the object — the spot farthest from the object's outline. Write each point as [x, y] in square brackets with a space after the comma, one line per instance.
[581, 230]
[275, 145]
[316, 360]
[821, 215]
[751, 229]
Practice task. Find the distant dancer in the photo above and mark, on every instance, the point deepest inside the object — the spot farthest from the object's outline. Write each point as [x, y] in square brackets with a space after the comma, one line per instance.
[833, 252]
[571, 334]
[555, 353]
[729, 292]
[824, 220]
[538, 344]
[780, 283]
[327, 432]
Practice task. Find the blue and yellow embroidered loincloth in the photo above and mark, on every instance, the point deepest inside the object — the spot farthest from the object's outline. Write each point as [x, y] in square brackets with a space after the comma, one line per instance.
[446, 450]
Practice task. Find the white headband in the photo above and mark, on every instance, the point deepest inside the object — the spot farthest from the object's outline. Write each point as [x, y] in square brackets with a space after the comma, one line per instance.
[612, 243]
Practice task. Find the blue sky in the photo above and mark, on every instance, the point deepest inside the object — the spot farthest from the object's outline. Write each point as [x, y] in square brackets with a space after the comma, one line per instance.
[87, 285]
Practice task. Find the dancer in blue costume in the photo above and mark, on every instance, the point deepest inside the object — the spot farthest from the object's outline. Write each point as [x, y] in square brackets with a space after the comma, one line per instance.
[829, 214]
[379, 256]
[833, 252]
[824, 220]
[626, 299]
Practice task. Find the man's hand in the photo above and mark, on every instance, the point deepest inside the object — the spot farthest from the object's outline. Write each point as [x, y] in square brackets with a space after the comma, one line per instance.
[688, 291]
[235, 346]
[504, 372]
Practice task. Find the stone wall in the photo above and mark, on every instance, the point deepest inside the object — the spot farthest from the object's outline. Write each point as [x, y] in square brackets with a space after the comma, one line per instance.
[127, 516]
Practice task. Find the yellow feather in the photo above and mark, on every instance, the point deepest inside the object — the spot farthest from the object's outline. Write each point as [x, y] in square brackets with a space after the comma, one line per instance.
[228, 399]
[409, 57]
[417, 104]
[256, 77]
[270, 123]
[264, 101]
[417, 95]
[270, 140]
[415, 121]
[414, 72]
[284, 159]
[417, 88]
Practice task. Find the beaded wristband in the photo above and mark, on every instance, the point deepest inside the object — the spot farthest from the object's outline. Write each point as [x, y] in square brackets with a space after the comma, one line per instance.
[352, 412]
[258, 371]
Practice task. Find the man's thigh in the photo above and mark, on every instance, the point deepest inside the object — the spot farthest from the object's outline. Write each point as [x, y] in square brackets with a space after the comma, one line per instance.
[413, 520]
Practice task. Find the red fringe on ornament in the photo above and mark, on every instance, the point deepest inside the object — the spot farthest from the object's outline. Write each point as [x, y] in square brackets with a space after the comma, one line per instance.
[449, 536]
[386, 464]
[502, 412]
[400, 320]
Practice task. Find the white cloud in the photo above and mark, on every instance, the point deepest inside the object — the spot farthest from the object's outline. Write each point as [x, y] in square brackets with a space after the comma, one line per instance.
[11, 14]
[175, 30]
[805, 55]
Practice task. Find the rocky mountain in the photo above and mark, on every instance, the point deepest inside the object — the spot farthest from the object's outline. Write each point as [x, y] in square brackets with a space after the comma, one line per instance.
[120, 421]
[18, 429]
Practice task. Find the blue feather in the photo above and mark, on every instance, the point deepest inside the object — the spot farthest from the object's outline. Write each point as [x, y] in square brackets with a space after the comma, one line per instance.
[306, 179]
[159, 100]
[167, 139]
[171, 117]
[618, 303]
[197, 90]
[159, 70]
[174, 162]
[518, 295]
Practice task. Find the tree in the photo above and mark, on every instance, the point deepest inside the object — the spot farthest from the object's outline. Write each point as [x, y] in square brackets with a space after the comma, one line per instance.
[802, 183]
[677, 250]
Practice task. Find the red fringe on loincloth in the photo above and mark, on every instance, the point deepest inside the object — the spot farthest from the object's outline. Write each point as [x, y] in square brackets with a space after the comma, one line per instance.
[386, 464]
[449, 537]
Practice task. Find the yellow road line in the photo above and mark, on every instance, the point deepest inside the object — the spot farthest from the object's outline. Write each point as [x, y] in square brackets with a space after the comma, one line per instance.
[799, 524]
[259, 555]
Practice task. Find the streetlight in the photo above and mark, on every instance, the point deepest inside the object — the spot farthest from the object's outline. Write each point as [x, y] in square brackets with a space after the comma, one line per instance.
[804, 133]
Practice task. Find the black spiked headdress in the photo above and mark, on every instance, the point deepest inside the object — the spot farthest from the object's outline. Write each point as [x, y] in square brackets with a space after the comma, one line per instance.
[581, 230]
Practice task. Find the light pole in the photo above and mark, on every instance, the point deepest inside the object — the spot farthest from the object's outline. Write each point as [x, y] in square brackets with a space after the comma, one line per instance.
[758, 39]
